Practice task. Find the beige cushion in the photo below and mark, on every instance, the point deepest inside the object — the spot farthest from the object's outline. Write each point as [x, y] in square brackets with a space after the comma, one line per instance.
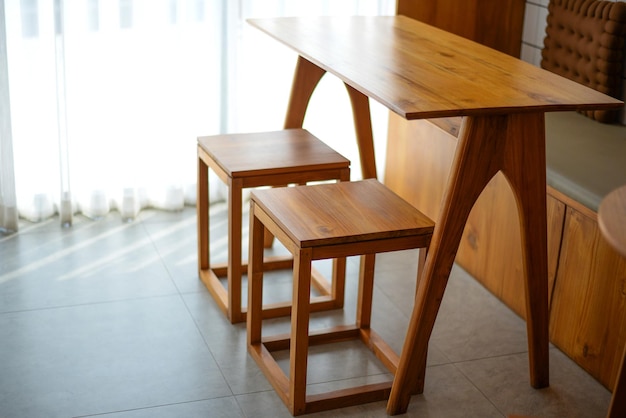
[585, 159]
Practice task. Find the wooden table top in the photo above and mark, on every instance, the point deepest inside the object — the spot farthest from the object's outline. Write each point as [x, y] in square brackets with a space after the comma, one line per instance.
[419, 71]
[612, 219]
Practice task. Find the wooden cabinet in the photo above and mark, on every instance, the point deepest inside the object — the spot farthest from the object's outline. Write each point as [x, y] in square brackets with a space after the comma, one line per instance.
[491, 244]
[588, 312]
[495, 23]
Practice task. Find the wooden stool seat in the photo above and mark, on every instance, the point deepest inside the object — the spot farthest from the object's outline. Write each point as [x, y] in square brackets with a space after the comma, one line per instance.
[611, 216]
[320, 222]
[291, 156]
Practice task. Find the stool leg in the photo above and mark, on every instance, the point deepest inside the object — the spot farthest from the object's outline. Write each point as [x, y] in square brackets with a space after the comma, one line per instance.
[339, 282]
[268, 241]
[255, 279]
[365, 292]
[339, 265]
[202, 214]
[423, 252]
[234, 251]
[300, 310]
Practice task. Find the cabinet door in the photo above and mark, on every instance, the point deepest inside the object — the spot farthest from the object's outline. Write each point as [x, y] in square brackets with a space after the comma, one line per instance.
[495, 23]
[588, 313]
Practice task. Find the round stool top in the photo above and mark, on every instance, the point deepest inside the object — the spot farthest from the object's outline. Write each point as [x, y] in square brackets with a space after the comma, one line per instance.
[612, 219]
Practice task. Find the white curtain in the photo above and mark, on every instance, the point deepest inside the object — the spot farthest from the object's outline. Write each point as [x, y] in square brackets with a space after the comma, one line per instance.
[102, 100]
[8, 204]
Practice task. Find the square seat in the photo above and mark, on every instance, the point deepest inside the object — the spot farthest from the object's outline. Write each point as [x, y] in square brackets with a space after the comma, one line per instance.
[275, 159]
[321, 222]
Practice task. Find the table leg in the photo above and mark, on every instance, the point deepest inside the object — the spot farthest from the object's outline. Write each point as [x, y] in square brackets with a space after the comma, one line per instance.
[363, 127]
[306, 78]
[485, 146]
[524, 166]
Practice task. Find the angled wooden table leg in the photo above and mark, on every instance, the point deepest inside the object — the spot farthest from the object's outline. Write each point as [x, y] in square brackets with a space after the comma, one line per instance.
[498, 138]
[524, 166]
[306, 78]
[363, 127]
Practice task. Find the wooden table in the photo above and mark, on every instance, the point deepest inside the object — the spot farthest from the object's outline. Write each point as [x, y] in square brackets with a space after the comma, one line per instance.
[612, 223]
[418, 71]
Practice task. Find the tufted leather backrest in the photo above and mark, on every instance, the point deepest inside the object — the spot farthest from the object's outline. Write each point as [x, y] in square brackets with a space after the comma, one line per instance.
[585, 43]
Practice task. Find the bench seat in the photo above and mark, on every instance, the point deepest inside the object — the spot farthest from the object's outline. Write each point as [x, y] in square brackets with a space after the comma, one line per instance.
[585, 159]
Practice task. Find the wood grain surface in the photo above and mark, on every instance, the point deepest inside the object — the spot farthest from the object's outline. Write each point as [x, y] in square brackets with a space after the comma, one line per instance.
[419, 71]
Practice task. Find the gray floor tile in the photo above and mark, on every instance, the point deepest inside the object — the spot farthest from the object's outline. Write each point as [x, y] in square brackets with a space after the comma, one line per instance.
[97, 263]
[472, 324]
[227, 344]
[104, 357]
[449, 394]
[505, 380]
[262, 405]
[175, 240]
[336, 362]
[214, 408]
[109, 318]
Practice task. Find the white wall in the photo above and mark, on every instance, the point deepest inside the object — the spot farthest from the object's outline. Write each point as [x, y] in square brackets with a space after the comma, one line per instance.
[534, 30]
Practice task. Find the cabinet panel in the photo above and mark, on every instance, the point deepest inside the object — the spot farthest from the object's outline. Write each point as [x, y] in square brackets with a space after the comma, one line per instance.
[419, 157]
[495, 23]
[588, 314]
[491, 248]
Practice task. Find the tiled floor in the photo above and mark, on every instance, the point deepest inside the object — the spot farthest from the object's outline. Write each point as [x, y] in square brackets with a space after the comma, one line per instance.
[109, 319]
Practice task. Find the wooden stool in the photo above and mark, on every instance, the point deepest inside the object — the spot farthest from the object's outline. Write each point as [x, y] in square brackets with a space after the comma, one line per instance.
[321, 222]
[611, 216]
[291, 156]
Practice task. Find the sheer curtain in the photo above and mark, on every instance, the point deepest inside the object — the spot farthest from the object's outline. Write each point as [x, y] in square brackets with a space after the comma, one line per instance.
[8, 204]
[102, 100]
